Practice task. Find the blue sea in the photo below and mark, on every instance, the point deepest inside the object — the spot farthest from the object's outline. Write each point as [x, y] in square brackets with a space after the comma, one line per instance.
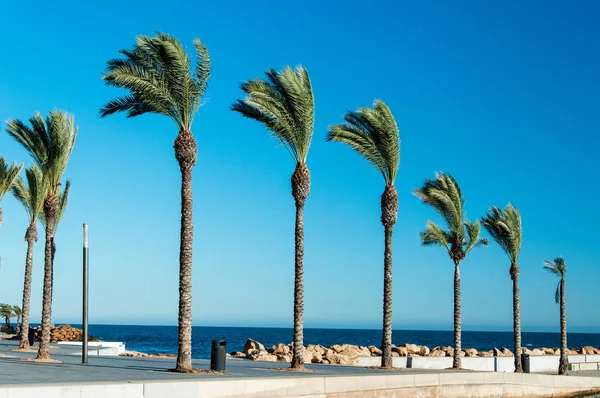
[163, 339]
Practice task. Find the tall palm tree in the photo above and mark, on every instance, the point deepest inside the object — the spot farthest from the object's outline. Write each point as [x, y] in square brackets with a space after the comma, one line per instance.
[374, 134]
[50, 142]
[31, 196]
[559, 268]
[505, 227]
[444, 196]
[8, 176]
[157, 73]
[284, 104]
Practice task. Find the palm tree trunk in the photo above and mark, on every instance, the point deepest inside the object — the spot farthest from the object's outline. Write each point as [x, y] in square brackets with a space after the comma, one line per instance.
[389, 213]
[31, 237]
[300, 191]
[186, 153]
[456, 363]
[514, 274]
[298, 354]
[386, 344]
[564, 359]
[50, 206]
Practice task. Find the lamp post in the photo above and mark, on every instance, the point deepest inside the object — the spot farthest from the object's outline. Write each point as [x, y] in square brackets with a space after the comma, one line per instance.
[84, 349]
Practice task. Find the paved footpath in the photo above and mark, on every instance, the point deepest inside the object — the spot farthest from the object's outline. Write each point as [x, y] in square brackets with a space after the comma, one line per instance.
[13, 370]
[126, 377]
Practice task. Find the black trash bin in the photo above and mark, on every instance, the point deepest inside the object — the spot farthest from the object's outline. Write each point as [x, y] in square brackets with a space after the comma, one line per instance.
[525, 363]
[218, 353]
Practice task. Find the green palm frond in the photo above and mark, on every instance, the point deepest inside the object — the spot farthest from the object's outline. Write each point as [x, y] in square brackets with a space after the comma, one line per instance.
[373, 133]
[557, 267]
[8, 176]
[443, 194]
[473, 232]
[49, 142]
[284, 104]
[63, 200]
[505, 227]
[6, 310]
[31, 194]
[435, 236]
[158, 74]
[17, 310]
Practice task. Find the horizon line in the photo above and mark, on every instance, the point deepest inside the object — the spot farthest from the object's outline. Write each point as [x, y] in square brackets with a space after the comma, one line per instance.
[313, 328]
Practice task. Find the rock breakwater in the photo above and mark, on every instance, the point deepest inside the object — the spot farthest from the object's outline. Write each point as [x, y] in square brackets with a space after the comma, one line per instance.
[347, 354]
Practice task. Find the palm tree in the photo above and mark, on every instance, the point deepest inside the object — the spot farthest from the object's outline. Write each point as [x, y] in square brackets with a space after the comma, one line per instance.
[50, 142]
[444, 196]
[505, 227]
[559, 268]
[31, 196]
[8, 176]
[284, 104]
[374, 134]
[7, 312]
[18, 313]
[157, 73]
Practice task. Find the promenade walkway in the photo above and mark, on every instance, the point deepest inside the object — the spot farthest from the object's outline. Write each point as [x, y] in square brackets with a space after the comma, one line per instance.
[124, 377]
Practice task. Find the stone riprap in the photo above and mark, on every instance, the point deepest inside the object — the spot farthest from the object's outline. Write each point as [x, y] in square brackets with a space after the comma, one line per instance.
[347, 354]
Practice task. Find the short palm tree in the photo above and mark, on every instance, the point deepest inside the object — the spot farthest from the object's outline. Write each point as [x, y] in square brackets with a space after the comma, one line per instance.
[31, 195]
[8, 176]
[374, 134]
[444, 196]
[559, 268]
[284, 104]
[7, 312]
[505, 227]
[50, 142]
[18, 313]
[157, 73]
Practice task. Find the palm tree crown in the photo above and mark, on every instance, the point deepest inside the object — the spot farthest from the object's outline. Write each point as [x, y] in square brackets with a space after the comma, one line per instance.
[284, 103]
[49, 142]
[18, 312]
[8, 176]
[505, 227]
[443, 194]
[32, 194]
[157, 73]
[558, 268]
[373, 133]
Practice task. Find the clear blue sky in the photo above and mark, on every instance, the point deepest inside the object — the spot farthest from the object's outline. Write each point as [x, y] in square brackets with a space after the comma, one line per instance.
[505, 96]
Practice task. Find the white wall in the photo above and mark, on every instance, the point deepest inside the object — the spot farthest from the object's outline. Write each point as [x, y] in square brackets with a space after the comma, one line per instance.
[537, 364]
[104, 348]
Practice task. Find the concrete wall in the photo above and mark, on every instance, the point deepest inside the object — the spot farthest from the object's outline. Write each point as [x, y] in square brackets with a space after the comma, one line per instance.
[379, 385]
[97, 347]
[537, 364]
